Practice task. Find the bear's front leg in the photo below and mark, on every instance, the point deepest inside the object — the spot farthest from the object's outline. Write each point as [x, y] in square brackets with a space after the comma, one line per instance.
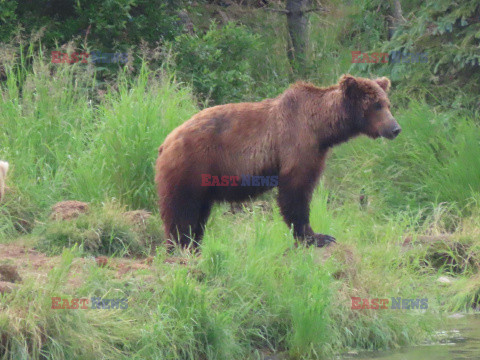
[294, 200]
[319, 240]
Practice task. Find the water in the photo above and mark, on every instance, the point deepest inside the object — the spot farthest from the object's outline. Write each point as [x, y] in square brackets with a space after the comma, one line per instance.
[461, 340]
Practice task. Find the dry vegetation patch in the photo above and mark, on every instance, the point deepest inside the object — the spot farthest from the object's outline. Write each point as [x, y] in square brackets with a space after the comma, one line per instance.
[67, 210]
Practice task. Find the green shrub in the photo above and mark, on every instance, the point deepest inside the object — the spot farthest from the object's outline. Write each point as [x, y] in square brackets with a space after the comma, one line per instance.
[108, 25]
[448, 34]
[8, 17]
[218, 63]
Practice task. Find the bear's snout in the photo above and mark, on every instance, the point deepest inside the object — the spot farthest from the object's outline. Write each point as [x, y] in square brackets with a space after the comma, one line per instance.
[391, 131]
[396, 131]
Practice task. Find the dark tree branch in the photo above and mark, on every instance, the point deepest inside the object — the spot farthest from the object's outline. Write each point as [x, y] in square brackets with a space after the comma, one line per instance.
[283, 11]
[276, 10]
[319, 9]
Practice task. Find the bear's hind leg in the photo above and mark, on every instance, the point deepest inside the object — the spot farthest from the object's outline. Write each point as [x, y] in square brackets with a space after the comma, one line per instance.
[185, 211]
[202, 221]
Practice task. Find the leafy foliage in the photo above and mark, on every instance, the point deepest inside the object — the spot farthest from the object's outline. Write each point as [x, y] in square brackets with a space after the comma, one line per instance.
[107, 25]
[8, 18]
[218, 63]
[449, 34]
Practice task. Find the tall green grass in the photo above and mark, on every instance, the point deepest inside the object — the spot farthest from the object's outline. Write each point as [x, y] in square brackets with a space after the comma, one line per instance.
[67, 139]
[63, 141]
[251, 292]
[132, 123]
[46, 117]
[435, 159]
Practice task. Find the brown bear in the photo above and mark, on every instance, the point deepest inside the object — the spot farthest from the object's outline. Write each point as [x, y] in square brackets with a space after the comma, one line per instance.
[284, 140]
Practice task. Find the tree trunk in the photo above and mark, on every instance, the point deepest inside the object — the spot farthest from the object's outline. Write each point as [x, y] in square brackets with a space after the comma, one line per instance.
[297, 21]
[396, 18]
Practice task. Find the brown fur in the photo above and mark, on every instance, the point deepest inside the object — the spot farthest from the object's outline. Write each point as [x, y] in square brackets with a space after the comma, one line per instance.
[288, 136]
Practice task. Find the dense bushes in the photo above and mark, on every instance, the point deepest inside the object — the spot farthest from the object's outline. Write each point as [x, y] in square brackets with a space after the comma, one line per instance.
[218, 63]
[107, 25]
[448, 33]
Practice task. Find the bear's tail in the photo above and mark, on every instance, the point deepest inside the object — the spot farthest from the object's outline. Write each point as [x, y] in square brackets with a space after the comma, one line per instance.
[160, 149]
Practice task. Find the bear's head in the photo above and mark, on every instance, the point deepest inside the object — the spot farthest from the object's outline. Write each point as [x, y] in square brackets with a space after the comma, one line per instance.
[368, 106]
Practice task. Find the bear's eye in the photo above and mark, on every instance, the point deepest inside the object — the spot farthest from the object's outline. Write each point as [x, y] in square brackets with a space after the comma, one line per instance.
[378, 106]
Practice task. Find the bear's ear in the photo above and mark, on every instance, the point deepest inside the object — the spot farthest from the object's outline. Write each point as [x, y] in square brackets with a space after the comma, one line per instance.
[349, 86]
[384, 83]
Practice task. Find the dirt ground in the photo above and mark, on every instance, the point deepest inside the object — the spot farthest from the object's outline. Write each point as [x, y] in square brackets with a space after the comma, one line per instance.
[32, 264]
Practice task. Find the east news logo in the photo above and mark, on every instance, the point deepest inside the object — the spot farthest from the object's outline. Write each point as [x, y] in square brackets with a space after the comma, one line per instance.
[243, 180]
[397, 304]
[81, 303]
[392, 57]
